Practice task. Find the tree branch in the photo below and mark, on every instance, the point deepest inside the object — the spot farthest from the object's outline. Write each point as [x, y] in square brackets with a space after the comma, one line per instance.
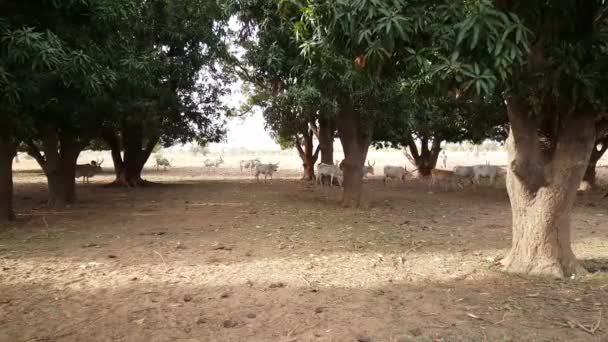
[315, 156]
[34, 151]
[299, 148]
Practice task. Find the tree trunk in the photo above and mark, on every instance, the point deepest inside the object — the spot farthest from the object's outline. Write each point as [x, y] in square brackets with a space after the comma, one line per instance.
[128, 170]
[542, 184]
[589, 178]
[8, 151]
[115, 147]
[326, 140]
[60, 156]
[309, 158]
[355, 139]
[425, 160]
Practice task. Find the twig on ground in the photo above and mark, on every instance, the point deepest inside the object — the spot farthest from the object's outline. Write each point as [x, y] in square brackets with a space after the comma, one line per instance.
[163, 260]
[306, 280]
[591, 330]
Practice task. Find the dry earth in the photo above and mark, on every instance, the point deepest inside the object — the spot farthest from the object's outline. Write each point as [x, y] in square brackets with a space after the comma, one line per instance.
[215, 256]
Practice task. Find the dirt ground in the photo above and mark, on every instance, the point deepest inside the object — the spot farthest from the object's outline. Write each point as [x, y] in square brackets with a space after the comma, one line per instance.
[215, 256]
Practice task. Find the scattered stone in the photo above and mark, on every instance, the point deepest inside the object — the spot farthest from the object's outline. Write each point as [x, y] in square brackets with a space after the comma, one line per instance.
[249, 283]
[229, 324]
[251, 315]
[201, 320]
[363, 338]
[134, 279]
[112, 256]
[159, 233]
[89, 245]
[319, 310]
[187, 330]
[276, 285]
[187, 298]
[139, 321]
[180, 246]
[225, 295]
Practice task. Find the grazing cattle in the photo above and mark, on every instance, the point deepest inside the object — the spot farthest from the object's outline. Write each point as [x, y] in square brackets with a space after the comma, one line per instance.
[266, 170]
[164, 162]
[213, 162]
[464, 171]
[87, 171]
[367, 169]
[394, 172]
[486, 171]
[332, 171]
[249, 164]
[445, 177]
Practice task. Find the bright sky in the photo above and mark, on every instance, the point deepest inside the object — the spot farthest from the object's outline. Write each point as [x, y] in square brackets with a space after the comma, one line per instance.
[250, 133]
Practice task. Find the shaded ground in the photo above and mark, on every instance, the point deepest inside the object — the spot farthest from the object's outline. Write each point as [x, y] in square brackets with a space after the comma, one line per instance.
[207, 259]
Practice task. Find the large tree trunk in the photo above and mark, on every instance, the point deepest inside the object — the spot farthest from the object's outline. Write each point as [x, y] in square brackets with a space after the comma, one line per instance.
[309, 157]
[355, 139]
[589, 179]
[115, 148]
[326, 140]
[8, 151]
[425, 160]
[60, 156]
[128, 169]
[542, 180]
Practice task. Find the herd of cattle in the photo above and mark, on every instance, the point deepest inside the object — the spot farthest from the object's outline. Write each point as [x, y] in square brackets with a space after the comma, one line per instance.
[459, 176]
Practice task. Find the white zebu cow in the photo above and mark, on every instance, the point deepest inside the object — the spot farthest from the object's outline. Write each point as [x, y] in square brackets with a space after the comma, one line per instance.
[333, 171]
[213, 162]
[249, 164]
[266, 170]
[486, 171]
[394, 172]
[367, 169]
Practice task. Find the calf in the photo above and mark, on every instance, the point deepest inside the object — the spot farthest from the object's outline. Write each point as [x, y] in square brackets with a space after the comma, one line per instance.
[87, 171]
[394, 172]
[266, 170]
[332, 171]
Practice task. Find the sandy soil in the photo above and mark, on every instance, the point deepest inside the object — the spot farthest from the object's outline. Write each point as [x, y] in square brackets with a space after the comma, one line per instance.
[211, 255]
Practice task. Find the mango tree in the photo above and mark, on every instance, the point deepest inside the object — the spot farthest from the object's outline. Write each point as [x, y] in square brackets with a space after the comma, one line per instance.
[548, 61]
[170, 80]
[57, 55]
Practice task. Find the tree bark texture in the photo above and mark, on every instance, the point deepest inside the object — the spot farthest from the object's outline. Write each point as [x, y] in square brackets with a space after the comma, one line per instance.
[542, 180]
[128, 168]
[326, 140]
[309, 157]
[355, 139]
[60, 155]
[8, 151]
